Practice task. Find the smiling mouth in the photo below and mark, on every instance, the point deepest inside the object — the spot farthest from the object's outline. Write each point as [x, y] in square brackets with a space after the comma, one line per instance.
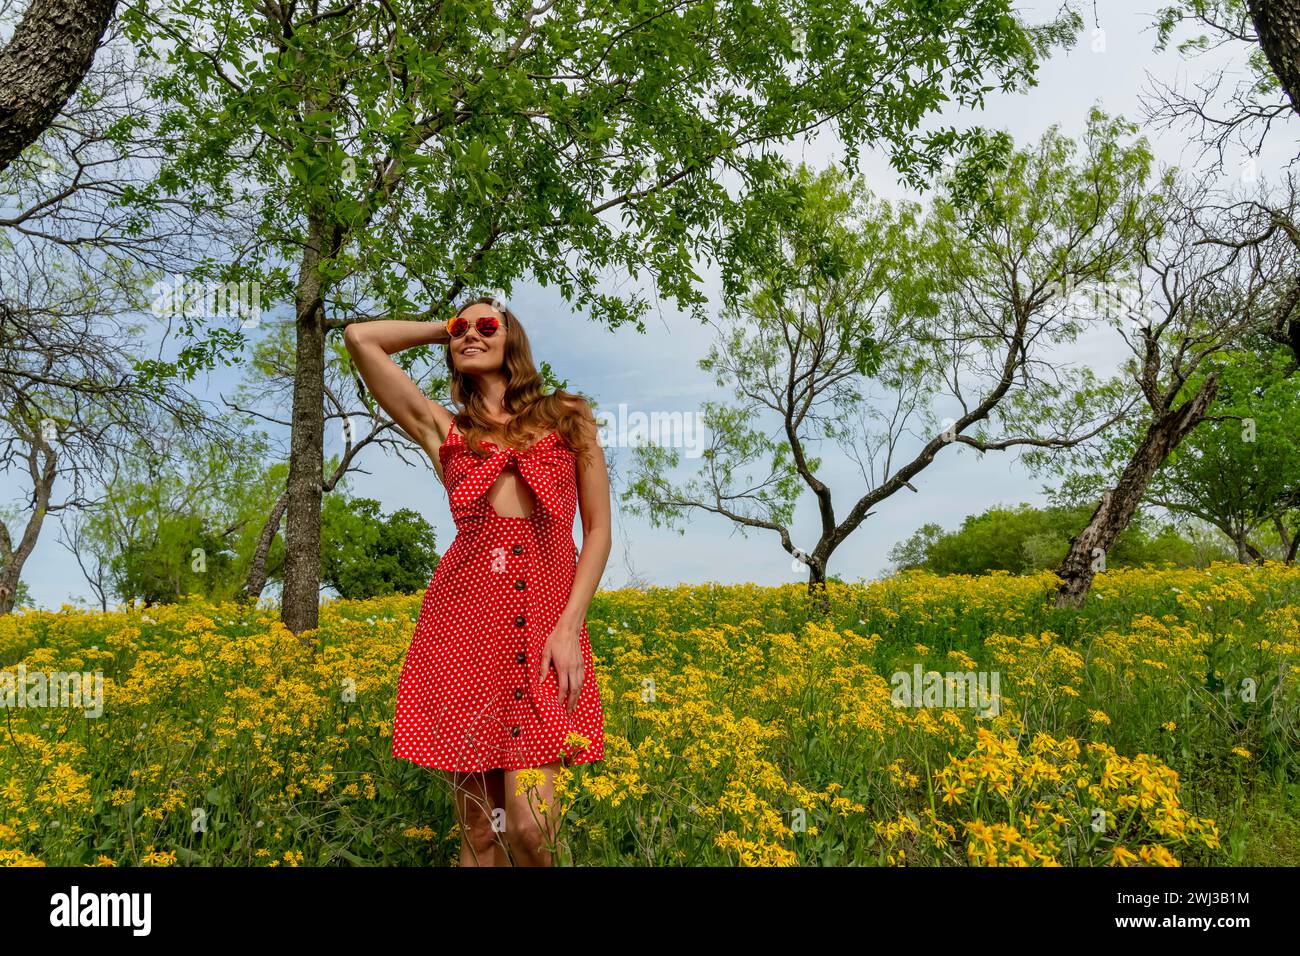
[472, 350]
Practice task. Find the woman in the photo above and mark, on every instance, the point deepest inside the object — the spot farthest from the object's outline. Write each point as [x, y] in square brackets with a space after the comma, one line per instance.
[498, 677]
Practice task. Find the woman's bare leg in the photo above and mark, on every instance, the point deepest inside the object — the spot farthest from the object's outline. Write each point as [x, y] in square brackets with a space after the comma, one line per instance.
[480, 811]
[529, 830]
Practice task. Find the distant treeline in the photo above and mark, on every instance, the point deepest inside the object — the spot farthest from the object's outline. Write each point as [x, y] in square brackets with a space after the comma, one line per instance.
[1025, 538]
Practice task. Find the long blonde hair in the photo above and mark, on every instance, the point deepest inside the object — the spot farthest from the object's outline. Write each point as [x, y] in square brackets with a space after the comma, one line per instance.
[534, 414]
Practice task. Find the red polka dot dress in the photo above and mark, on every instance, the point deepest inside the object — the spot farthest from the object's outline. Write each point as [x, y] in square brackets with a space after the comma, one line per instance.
[470, 697]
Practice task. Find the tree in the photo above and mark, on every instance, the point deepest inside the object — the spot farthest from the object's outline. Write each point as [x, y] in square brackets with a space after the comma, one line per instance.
[1025, 538]
[75, 256]
[181, 556]
[1267, 31]
[401, 155]
[1251, 106]
[914, 551]
[179, 515]
[68, 403]
[368, 554]
[21, 595]
[76, 192]
[863, 321]
[46, 58]
[1194, 301]
[1277, 25]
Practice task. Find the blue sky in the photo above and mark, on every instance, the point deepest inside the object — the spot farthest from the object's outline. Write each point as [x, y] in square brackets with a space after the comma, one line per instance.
[657, 371]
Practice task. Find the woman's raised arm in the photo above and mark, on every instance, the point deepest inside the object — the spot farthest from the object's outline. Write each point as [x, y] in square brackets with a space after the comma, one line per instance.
[370, 344]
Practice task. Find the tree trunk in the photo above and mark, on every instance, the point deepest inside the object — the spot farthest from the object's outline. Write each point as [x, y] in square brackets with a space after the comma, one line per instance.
[16, 558]
[818, 600]
[44, 61]
[300, 610]
[1277, 23]
[1120, 503]
[1247, 553]
[42, 465]
[1290, 542]
[256, 580]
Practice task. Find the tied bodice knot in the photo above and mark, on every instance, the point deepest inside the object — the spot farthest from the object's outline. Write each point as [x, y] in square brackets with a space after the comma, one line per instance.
[538, 466]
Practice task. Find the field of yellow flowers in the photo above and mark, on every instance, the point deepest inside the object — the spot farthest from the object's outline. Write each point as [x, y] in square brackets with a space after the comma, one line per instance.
[1158, 726]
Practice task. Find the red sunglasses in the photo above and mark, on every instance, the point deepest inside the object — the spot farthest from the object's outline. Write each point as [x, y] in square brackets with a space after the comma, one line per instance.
[485, 325]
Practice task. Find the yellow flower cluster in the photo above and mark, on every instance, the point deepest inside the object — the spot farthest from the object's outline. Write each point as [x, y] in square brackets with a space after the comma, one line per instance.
[1057, 802]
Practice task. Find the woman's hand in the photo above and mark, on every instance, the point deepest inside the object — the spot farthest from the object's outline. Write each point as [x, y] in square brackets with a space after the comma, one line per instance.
[563, 648]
